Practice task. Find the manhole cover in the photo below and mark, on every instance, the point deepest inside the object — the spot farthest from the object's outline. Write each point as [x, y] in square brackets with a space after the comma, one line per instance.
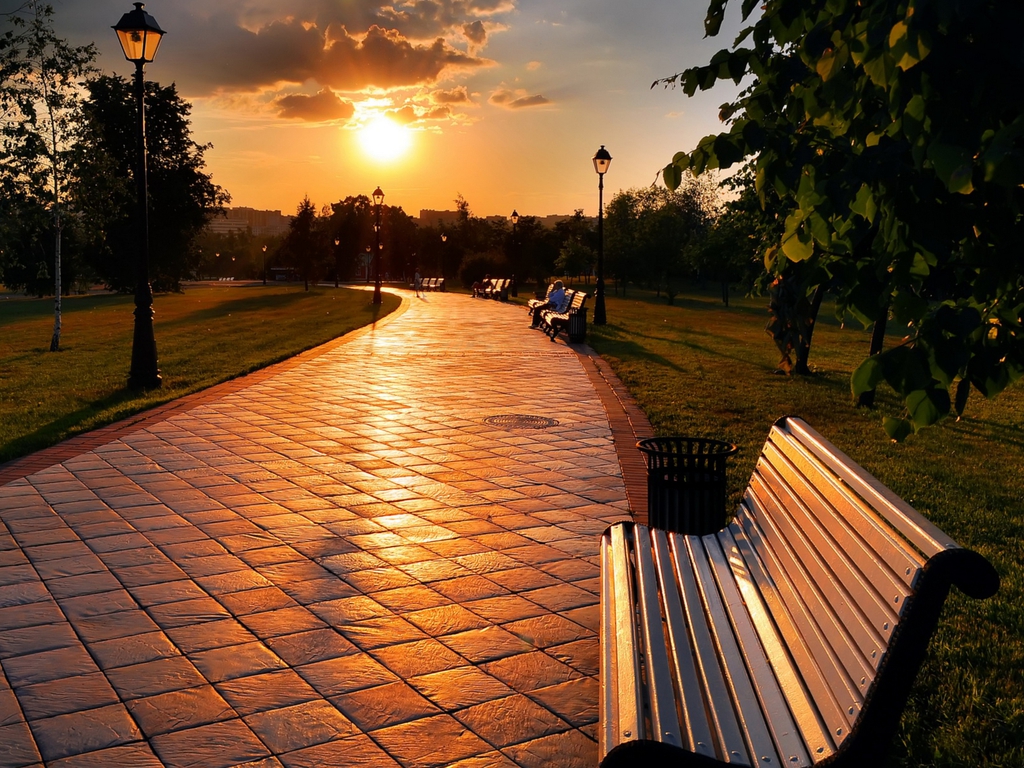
[520, 421]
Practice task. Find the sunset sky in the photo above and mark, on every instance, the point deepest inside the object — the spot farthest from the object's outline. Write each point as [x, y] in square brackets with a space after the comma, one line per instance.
[503, 101]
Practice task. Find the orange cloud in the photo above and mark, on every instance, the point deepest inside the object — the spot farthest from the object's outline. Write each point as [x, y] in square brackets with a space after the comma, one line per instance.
[325, 105]
[459, 95]
[503, 97]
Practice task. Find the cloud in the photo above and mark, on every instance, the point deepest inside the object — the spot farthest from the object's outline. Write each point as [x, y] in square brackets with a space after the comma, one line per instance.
[411, 114]
[325, 105]
[296, 51]
[534, 65]
[518, 99]
[458, 95]
[475, 33]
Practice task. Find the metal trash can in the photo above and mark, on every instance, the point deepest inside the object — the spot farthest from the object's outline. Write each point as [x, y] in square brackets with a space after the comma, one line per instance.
[686, 483]
[578, 326]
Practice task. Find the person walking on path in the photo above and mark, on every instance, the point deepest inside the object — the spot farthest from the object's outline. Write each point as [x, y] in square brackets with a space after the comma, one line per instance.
[417, 282]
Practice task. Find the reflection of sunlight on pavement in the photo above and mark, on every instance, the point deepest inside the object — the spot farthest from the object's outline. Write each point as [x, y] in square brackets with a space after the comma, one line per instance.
[353, 528]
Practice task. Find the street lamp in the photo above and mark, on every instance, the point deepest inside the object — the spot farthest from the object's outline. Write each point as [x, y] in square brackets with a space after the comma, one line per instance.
[264, 265]
[602, 160]
[337, 242]
[515, 220]
[366, 265]
[140, 37]
[378, 200]
[440, 256]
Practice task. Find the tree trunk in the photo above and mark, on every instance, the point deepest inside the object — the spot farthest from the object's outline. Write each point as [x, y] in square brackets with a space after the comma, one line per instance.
[725, 292]
[867, 399]
[805, 342]
[55, 339]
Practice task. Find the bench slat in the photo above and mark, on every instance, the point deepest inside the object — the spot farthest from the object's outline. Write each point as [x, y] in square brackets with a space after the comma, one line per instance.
[664, 718]
[830, 711]
[792, 695]
[834, 549]
[697, 729]
[848, 691]
[851, 510]
[609, 703]
[725, 726]
[626, 667]
[849, 637]
[924, 534]
[758, 740]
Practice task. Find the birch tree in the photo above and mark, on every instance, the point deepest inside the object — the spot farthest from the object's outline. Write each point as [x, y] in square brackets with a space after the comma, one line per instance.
[40, 109]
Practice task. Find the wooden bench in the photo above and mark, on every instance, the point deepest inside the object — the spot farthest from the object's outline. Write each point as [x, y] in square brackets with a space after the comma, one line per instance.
[789, 638]
[551, 322]
[498, 288]
[534, 306]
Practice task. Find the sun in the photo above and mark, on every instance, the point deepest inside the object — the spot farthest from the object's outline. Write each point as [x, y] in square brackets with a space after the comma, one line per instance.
[384, 140]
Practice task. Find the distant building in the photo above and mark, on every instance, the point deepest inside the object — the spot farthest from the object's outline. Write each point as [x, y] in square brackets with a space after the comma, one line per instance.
[430, 218]
[257, 223]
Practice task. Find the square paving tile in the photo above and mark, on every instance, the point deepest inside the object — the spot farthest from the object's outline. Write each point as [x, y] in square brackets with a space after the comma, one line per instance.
[377, 633]
[419, 657]
[136, 649]
[272, 690]
[210, 634]
[48, 665]
[218, 745]
[574, 701]
[356, 752]
[219, 664]
[84, 731]
[65, 695]
[283, 621]
[414, 598]
[345, 674]
[180, 710]
[136, 755]
[153, 677]
[18, 747]
[487, 644]
[43, 637]
[511, 720]
[300, 725]
[547, 630]
[384, 705]
[430, 741]
[571, 749]
[315, 645]
[445, 620]
[461, 687]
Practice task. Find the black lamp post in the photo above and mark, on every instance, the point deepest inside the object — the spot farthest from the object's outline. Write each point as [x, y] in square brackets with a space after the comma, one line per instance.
[378, 200]
[515, 220]
[337, 268]
[440, 256]
[366, 265]
[601, 162]
[140, 37]
[264, 265]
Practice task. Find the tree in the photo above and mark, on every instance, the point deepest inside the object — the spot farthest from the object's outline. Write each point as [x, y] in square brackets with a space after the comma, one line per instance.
[182, 197]
[305, 246]
[40, 105]
[900, 160]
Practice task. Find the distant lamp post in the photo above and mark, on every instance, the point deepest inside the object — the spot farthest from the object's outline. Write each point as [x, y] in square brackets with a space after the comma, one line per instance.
[337, 268]
[366, 265]
[515, 220]
[440, 256]
[378, 200]
[264, 265]
[140, 36]
[602, 160]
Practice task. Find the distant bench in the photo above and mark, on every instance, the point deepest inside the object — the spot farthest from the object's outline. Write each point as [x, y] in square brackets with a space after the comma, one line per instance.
[789, 638]
[431, 284]
[496, 288]
[573, 320]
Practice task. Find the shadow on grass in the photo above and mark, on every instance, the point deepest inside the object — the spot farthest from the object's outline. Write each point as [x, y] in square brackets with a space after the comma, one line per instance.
[105, 411]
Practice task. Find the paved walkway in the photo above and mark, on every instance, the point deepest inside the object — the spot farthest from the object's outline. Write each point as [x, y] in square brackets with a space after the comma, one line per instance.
[341, 561]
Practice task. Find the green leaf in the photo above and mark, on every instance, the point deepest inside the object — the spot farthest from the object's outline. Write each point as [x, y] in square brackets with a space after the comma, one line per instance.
[673, 176]
[713, 21]
[880, 69]
[864, 204]
[796, 243]
[897, 429]
[952, 165]
[927, 406]
[867, 376]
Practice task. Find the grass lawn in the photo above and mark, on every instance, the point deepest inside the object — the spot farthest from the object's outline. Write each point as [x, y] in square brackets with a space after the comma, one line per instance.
[703, 369]
[206, 335]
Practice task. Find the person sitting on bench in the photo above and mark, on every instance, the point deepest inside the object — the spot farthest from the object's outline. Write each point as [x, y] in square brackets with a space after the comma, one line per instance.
[556, 300]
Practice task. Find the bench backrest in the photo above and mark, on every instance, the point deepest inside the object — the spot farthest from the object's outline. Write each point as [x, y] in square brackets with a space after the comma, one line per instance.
[836, 560]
